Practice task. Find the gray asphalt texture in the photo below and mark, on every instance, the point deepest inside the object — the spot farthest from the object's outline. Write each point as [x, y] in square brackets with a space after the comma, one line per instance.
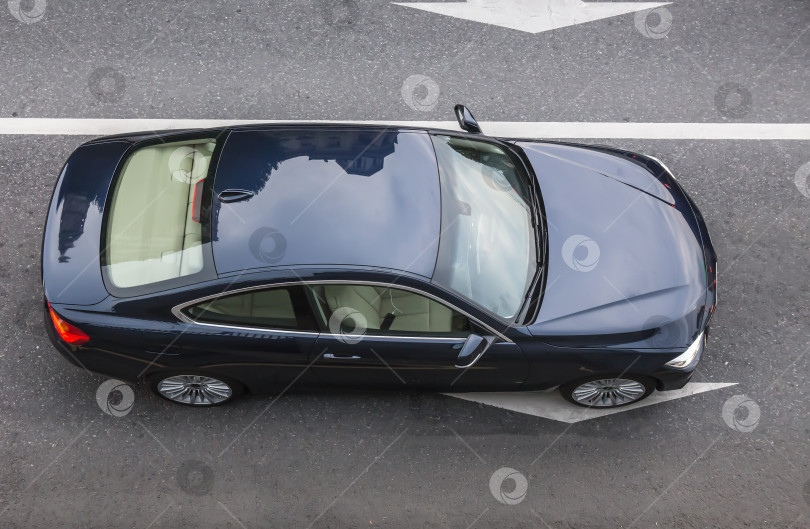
[344, 459]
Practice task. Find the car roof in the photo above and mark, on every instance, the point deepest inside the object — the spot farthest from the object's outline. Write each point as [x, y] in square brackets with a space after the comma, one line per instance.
[350, 196]
[169, 134]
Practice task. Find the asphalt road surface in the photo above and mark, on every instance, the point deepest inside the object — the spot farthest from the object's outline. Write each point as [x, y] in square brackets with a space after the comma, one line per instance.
[735, 457]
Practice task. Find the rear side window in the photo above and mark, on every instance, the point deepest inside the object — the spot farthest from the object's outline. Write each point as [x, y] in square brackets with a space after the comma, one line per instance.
[273, 308]
[154, 229]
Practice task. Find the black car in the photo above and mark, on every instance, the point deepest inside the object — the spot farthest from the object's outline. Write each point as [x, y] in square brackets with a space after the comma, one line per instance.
[262, 258]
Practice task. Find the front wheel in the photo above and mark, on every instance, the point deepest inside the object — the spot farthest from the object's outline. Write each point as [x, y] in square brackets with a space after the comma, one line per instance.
[195, 389]
[608, 391]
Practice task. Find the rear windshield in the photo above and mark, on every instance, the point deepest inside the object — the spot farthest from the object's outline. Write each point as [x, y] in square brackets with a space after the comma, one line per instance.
[153, 229]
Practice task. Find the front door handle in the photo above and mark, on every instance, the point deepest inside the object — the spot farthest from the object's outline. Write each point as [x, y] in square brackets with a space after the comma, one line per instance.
[338, 356]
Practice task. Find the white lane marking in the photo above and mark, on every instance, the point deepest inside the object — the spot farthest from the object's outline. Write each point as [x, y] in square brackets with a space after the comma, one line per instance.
[551, 405]
[532, 16]
[512, 129]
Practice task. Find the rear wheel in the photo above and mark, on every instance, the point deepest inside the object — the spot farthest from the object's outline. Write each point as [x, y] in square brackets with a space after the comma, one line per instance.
[608, 391]
[194, 389]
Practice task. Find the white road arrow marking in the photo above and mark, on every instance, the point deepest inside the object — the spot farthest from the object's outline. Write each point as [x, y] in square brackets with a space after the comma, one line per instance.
[551, 405]
[532, 16]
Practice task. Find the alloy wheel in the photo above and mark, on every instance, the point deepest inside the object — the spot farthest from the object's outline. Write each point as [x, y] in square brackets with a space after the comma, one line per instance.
[196, 390]
[608, 392]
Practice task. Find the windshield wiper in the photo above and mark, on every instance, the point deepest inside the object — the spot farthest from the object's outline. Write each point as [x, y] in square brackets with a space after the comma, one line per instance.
[539, 242]
[538, 224]
[537, 280]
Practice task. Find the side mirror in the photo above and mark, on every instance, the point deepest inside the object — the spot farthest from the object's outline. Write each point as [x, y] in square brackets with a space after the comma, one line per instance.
[466, 120]
[474, 348]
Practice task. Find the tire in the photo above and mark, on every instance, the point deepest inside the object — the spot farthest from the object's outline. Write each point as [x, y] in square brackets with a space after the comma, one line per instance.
[195, 389]
[635, 389]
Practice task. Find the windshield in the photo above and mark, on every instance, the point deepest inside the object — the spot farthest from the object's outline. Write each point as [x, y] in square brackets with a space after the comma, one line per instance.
[487, 250]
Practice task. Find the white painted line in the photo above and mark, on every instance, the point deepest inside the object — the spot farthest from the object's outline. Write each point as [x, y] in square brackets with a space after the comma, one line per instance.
[551, 405]
[651, 131]
[512, 129]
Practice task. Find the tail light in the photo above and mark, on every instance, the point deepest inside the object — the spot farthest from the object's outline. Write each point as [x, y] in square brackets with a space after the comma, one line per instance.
[196, 201]
[69, 333]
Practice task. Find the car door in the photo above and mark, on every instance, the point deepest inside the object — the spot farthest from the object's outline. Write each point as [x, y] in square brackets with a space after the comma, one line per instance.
[398, 337]
[259, 336]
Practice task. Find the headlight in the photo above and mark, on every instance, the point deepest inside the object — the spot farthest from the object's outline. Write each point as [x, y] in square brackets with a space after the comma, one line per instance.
[688, 356]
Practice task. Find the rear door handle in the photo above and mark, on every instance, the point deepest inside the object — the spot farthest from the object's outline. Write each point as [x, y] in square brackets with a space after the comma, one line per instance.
[338, 356]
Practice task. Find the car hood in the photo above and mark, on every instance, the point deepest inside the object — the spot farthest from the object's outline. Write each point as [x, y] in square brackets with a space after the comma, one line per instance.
[625, 260]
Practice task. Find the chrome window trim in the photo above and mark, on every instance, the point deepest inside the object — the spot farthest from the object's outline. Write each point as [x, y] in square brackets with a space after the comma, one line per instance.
[177, 310]
[253, 329]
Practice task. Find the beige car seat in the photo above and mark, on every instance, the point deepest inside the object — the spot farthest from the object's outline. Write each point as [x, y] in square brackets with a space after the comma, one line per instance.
[412, 312]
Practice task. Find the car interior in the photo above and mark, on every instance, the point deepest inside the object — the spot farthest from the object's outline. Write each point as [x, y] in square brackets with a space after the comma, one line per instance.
[390, 309]
[271, 308]
[154, 229]
[387, 310]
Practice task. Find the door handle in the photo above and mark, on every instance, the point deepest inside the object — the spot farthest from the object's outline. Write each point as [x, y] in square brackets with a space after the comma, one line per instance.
[338, 356]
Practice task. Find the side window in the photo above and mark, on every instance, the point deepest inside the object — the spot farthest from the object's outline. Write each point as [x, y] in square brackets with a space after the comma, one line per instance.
[348, 308]
[274, 308]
